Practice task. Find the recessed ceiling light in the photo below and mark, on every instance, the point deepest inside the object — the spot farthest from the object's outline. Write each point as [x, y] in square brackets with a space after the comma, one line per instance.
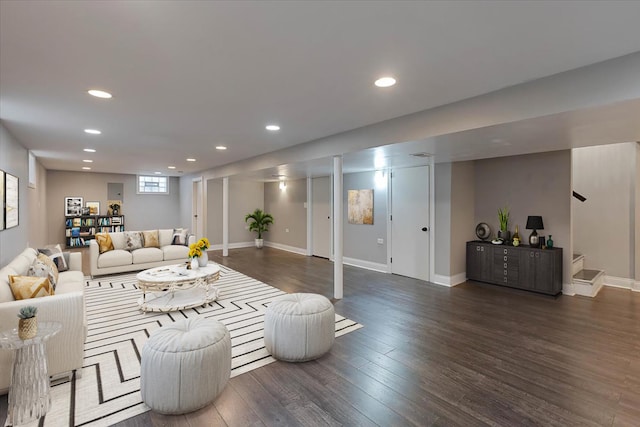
[158, 173]
[191, 160]
[88, 161]
[221, 147]
[87, 168]
[171, 167]
[89, 150]
[93, 131]
[99, 94]
[272, 127]
[385, 81]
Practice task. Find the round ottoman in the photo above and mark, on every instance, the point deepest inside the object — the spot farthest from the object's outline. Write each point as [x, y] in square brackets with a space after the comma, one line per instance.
[299, 327]
[185, 365]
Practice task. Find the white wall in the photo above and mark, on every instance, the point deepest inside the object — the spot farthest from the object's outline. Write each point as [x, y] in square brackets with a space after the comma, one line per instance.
[14, 160]
[604, 225]
[289, 213]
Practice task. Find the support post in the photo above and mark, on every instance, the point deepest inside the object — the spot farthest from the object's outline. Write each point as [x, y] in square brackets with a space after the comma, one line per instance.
[225, 216]
[309, 216]
[337, 228]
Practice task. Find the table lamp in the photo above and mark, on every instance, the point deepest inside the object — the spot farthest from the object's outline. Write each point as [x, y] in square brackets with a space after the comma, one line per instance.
[534, 223]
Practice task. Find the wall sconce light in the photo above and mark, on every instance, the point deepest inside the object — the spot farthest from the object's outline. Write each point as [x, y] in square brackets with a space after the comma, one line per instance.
[282, 186]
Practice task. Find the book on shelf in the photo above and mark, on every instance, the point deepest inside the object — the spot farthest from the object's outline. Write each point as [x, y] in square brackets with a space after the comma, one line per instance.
[75, 232]
[77, 222]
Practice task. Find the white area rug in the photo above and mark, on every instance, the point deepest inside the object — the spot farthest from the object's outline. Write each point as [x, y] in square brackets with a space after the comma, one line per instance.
[108, 389]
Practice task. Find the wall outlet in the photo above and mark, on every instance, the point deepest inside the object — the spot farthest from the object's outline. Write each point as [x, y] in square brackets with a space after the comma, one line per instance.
[305, 205]
[380, 241]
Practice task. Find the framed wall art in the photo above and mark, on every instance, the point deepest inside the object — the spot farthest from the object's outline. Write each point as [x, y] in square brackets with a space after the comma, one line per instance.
[11, 201]
[360, 207]
[94, 208]
[72, 206]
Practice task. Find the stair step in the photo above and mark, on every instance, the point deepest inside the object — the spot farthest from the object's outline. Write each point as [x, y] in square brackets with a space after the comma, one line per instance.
[578, 263]
[588, 282]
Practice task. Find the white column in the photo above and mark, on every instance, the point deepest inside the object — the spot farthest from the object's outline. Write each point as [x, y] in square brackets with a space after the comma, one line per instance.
[337, 227]
[309, 216]
[225, 216]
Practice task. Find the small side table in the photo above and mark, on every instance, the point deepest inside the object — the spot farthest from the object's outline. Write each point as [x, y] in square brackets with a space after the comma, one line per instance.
[29, 397]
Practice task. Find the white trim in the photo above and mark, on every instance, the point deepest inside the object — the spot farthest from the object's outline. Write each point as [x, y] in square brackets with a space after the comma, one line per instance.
[238, 245]
[301, 251]
[225, 216]
[636, 286]
[619, 282]
[309, 209]
[432, 220]
[589, 288]
[567, 289]
[450, 281]
[369, 265]
[389, 213]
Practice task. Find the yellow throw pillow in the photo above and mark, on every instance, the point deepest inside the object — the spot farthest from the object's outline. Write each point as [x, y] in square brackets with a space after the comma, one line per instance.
[151, 239]
[25, 287]
[104, 242]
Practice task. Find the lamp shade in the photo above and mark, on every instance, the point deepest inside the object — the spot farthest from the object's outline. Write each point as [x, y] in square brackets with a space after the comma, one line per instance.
[534, 223]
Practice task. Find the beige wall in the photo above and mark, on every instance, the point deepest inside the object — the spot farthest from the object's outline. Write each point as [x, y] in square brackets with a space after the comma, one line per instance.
[37, 205]
[442, 211]
[534, 184]
[214, 211]
[244, 198]
[141, 211]
[603, 226]
[636, 218]
[462, 214]
[287, 208]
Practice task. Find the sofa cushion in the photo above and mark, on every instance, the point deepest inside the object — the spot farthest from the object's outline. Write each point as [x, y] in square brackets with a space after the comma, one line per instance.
[57, 256]
[180, 236]
[70, 281]
[105, 244]
[118, 239]
[165, 236]
[146, 255]
[43, 266]
[133, 240]
[178, 252]
[151, 239]
[115, 258]
[26, 287]
[5, 289]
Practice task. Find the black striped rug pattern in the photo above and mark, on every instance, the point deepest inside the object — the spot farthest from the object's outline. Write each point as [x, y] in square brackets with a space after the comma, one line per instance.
[107, 389]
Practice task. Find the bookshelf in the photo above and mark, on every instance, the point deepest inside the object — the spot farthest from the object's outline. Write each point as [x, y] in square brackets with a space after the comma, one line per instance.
[81, 229]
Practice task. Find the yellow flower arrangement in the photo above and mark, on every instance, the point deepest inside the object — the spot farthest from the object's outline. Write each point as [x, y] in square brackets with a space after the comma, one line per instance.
[196, 249]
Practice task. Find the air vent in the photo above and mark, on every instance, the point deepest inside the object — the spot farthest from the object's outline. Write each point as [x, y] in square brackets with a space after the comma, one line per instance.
[421, 154]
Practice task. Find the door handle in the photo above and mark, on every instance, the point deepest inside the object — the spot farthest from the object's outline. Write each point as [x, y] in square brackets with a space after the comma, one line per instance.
[425, 228]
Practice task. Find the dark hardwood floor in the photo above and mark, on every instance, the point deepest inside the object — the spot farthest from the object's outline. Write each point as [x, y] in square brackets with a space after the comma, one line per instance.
[428, 355]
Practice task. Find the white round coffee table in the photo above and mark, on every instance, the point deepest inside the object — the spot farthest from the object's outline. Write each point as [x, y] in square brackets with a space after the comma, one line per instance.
[173, 287]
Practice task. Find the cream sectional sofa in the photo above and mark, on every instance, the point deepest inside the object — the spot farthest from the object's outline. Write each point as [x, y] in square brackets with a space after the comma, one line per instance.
[65, 351]
[121, 260]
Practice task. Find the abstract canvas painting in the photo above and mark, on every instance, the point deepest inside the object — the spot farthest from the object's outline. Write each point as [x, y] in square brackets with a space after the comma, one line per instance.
[360, 207]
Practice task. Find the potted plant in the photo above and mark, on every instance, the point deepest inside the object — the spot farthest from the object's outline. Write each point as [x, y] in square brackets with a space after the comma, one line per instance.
[28, 323]
[260, 222]
[503, 218]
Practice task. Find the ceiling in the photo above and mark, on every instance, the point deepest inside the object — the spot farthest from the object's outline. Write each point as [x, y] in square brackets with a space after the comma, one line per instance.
[187, 76]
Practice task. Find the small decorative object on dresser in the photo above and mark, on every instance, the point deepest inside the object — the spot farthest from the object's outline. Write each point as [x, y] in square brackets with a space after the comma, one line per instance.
[549, 242]
[503, 217]
[28, 323]
[483, 231]
[534, 223]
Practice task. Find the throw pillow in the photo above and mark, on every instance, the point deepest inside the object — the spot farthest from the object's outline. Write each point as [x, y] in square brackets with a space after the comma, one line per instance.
[43, 266]
[180, 236]
[104, 242]
[25, 287]
[151, 239]
[133, 240]
[55, 253]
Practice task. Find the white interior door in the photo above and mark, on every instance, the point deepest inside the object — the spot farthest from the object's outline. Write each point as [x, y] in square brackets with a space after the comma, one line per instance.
[410, 222]
[321, 200]
[198, 217]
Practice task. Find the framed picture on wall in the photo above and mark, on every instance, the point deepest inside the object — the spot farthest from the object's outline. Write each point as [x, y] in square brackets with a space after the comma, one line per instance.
[1, 200]
[11, 203]
[94, 208]
[72, 206]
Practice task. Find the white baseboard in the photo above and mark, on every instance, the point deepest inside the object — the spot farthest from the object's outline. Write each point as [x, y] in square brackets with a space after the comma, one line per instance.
[450, 281]
[567, 289]
[300, 251]
[237, 245]
[375, 266]
[636, 287]
[620, 282]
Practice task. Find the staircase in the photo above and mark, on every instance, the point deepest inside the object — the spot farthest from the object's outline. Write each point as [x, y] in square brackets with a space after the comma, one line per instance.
[586, 282]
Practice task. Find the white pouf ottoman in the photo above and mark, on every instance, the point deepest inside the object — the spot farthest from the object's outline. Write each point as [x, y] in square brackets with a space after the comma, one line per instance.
[185, 365]
[299, 327]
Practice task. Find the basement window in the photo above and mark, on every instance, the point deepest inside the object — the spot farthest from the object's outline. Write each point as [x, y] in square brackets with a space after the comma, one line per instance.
[153, 184]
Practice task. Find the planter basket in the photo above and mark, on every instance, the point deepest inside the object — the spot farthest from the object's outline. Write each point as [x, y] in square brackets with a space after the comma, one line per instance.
[27, 328]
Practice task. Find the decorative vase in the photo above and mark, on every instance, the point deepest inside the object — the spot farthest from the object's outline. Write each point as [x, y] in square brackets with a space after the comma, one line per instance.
[27, 328]
[549, 242]
[203, 259]
[259, 243]
[194, 264]
[504, 235]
